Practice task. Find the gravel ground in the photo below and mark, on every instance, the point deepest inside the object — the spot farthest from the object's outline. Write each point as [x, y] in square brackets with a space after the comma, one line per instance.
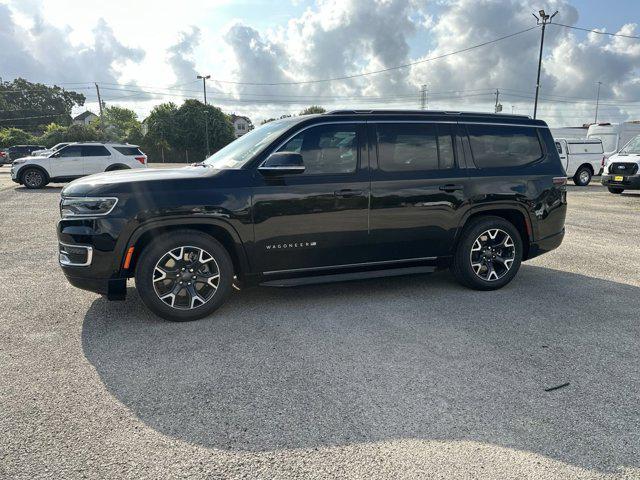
[408, 377]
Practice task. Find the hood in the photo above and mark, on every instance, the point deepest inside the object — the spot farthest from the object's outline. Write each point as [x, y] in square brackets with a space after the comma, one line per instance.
[623, 157]
[124, 181]
[30, 157]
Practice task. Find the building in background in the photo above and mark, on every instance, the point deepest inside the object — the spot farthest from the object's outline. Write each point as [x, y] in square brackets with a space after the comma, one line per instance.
[85, 118]
[241, 125]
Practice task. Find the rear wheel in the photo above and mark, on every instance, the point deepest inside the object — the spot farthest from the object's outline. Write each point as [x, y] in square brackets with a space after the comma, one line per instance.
[615, 190]
[488, 254]
[582, 177]
[184, 275]
[34, 178]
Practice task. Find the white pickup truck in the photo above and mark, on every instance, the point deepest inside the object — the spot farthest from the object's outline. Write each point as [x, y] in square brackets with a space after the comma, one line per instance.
[582, 158]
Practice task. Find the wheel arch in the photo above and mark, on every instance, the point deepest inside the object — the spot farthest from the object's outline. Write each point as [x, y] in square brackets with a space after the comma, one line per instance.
[117, 166]
[24, 169]
[218, 229]
[518, 217]
[587, 165]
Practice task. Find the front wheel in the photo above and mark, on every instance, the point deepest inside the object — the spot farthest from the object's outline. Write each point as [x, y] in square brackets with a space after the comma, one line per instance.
[488, 254]
[582, 177]
[34, 178]
[615, 190]
[184, 275]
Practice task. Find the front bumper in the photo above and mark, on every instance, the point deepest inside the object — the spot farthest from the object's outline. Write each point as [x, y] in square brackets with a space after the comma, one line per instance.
[628, 182]
[14, 173]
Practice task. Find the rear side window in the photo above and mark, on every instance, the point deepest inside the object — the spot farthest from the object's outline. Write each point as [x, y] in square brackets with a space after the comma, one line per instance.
[558, 147]
[412, 147]
[95, 151]
[497, 146]
[129, 151]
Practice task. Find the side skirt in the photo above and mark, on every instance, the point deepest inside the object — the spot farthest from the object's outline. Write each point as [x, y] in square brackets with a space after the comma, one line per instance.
[345, 277]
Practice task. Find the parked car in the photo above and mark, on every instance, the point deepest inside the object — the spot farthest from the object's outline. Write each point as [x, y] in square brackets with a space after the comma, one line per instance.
[19, 151]
[318, 198]
[622, 171]
[613, 135]
[48, 151]
[76, 160]
[4, 156]
[581, 158]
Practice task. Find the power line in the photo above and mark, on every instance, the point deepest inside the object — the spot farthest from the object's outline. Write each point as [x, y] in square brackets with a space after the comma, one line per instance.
[375, 72]
[599, 32]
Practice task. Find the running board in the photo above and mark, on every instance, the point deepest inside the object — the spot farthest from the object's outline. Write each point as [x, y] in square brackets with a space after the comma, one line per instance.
[345, 277]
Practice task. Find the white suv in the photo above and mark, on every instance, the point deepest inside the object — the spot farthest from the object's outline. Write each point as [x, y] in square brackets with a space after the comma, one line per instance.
[76, 160]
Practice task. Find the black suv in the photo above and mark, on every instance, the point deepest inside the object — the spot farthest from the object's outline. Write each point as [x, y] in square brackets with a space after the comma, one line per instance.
[18, 151]
[337, 196]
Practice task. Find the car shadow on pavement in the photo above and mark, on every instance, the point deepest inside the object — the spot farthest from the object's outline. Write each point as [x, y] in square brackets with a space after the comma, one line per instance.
[397, 358]
[45, 189]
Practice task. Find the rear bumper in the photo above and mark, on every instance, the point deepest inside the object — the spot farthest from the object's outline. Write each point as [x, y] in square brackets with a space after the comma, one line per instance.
[545, 245]
[628, 182]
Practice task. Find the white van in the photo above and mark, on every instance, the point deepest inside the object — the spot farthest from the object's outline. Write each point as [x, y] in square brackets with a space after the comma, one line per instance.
[614, 135]
[582, 158]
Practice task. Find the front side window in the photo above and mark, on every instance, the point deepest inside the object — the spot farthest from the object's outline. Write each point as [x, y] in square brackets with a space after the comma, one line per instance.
[498, 146]
[70, 151]
[326, 149]
[411, 147]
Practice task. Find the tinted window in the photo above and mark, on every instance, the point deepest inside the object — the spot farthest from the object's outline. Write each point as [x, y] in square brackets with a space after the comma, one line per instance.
[496, 146]
[129, 151]
[70, 151]
[558, 147]
[326, 149]
[410, 147]
[94, 151]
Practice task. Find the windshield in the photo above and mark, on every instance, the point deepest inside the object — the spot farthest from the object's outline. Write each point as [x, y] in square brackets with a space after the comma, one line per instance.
[240, 151]
[633, 147]
[609, 141]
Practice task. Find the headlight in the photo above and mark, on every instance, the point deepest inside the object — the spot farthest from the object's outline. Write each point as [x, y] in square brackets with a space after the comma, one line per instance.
[86, 206]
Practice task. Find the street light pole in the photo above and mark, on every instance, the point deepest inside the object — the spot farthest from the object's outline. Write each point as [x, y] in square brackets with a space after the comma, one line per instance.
[543, 20]
[206, 113]
[597, 102]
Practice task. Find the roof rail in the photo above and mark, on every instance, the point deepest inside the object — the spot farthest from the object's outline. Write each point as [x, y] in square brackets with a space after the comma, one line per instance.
[424, 112]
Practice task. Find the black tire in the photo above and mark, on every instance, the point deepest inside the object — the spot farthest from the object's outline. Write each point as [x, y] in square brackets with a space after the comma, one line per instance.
[461, 266]
[615, 190]
[582, 177]
[157, 250]
[34, 178]
[113, 168]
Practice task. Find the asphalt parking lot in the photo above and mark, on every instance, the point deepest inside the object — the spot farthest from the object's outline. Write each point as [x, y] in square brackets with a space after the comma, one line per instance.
[408, 377]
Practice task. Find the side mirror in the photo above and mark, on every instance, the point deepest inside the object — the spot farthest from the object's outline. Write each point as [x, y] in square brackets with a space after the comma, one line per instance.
[282, 163]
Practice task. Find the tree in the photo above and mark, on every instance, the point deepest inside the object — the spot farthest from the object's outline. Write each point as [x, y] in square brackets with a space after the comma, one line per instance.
[119, 123]
[190, 122]
[312, 109]
[15, 136]
[82, 133]
[161, 127]
[267, 120]
[30, 105]
[53, 134]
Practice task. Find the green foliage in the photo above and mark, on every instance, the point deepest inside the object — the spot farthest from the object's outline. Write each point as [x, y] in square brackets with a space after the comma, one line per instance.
[190, 127]
[312, 109]
[15, 136]
[29, 105]
[119, 124]
[82, 133]
[53, 134]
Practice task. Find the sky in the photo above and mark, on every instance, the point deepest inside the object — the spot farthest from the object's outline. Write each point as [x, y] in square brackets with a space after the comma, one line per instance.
[268, 59]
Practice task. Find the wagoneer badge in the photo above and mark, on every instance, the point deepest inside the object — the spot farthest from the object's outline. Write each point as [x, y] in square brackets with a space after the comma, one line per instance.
[282, 246]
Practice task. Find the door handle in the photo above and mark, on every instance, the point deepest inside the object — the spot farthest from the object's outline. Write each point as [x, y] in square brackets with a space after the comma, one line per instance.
[450, 187]
[347, 193]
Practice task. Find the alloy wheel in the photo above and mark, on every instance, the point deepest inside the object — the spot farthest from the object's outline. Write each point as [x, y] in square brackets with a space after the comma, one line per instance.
[186, 277]
[492, 254]
[33, 178]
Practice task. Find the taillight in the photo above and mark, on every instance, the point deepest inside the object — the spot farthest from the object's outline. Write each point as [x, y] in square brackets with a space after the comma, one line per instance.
[142, 160]
[559, 181]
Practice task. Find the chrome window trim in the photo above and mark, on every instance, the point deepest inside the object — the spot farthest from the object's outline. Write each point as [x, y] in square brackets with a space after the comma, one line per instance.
[89, 215]
[71, 264]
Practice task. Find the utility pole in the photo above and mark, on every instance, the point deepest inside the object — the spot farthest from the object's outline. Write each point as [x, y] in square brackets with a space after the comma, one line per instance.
[498, 107]
[423, 97]
[597, 102]
[206, 113]
[99, 103]
[543, 20]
